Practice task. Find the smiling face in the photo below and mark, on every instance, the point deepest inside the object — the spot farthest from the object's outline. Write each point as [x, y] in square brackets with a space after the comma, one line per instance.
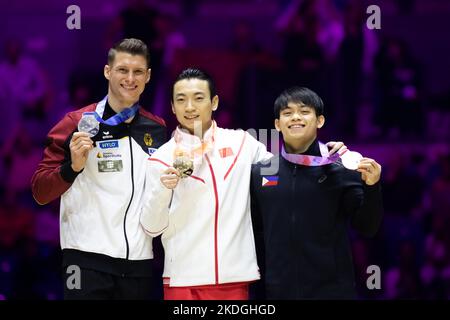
[298, 124]
[192, 104]
[127, 76]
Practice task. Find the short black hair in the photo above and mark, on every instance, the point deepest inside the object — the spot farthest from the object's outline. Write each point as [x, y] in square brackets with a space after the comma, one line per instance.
[132, 46]
[298, 95]
[193, 73]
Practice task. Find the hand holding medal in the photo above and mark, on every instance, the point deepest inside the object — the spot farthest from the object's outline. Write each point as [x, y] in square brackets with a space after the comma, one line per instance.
[352, 160]
[170, 178]
[369, 168]
[370, 171]
[183, 167]
[80, 145]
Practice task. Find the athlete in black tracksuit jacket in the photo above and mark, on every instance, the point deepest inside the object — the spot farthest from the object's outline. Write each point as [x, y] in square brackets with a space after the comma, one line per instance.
[304, 219]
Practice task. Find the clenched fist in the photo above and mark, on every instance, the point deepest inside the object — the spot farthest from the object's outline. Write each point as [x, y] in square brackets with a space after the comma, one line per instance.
[170, 178]
[370, 171]
[80, 145]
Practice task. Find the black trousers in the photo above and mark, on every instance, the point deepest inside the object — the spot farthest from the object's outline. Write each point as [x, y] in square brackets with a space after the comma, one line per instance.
[97, 285]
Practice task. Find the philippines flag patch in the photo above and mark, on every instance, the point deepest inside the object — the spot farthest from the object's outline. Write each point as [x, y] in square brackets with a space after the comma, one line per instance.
[269, 181]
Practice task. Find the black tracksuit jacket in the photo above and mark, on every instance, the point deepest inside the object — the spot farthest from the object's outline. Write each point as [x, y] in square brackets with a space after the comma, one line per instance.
[303, 220]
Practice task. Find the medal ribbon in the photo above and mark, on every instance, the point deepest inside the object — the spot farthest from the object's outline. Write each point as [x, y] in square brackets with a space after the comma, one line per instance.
[119, 117]
[194, 150]
[308, 160]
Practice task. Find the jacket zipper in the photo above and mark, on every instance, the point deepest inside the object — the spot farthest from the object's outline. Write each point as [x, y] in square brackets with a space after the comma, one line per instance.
[294, 174]
[293, 229]
[216, 221]
[131, 199]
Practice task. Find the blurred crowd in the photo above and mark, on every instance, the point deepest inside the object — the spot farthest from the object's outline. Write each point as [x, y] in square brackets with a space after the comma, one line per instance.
[374, 90]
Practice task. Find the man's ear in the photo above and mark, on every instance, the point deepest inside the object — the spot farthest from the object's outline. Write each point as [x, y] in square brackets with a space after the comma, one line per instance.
[107, 71]
[173, 108]
[277, 125]
[320, 121]
[215, 103]
[149, 74]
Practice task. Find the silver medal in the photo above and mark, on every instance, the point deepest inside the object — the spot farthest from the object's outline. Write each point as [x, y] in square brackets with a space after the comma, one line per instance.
[351, 159]
[89, 124]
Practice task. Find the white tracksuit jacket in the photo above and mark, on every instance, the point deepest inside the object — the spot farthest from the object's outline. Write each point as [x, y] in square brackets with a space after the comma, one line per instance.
[206, 224]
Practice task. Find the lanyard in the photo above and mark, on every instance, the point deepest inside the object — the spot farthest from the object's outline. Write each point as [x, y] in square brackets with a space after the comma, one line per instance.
[193, 147]
[117, 118]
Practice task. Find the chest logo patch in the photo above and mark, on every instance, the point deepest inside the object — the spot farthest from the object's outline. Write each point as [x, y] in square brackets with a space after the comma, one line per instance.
[148, 140]
[109, 144]
[226, 152]
[269, 181]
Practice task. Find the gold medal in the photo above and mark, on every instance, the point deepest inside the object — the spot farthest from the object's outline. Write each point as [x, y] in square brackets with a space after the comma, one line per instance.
[183, 164]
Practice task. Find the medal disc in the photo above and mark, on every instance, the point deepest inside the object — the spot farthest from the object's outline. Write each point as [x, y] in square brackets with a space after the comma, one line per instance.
[184, 165]
[351, 159]
[88, 124]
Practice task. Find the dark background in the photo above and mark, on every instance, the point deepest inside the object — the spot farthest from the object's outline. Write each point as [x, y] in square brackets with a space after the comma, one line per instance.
[386, 94]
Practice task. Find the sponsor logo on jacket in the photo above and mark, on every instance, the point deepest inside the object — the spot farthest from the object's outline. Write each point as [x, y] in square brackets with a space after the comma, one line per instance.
[109, 144]
[151, 151]
[106, 135]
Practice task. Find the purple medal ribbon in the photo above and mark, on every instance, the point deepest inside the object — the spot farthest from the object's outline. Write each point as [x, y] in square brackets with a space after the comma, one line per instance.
[311, 161]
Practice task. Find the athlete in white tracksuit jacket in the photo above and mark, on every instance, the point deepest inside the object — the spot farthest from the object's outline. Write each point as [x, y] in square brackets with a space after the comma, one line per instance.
[205, 219]
[206, 224]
